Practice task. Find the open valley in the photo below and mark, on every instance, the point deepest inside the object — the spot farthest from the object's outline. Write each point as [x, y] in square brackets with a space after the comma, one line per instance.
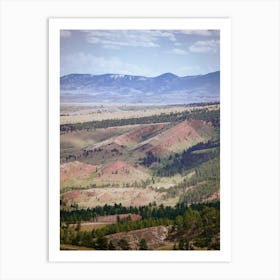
[139, 179]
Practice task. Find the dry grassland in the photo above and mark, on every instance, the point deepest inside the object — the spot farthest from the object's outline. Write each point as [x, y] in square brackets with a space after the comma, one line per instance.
[71, 114]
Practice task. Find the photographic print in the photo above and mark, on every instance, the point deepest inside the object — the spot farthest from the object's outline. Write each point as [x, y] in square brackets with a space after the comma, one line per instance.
[139, 139]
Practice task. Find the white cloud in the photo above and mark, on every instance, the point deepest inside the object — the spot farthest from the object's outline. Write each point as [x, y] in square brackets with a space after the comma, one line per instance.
[111, 47]
[205, 46]
[177, 44]
[65, 33]
[128, 38]
[89, 64]
[202, 32]
[164, 34]
[189, 70]
[121, 38]
[177, 51]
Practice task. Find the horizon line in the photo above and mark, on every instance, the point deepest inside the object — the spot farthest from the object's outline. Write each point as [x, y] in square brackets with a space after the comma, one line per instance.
[169, 73]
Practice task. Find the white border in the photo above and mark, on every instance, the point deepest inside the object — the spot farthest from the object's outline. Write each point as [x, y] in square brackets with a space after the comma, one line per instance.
[55, 25]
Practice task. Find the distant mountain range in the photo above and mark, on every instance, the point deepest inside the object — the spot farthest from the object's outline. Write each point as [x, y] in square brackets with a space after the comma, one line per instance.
[127, 89]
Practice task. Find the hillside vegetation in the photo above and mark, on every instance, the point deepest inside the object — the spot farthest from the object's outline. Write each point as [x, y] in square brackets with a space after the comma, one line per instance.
[164, 167]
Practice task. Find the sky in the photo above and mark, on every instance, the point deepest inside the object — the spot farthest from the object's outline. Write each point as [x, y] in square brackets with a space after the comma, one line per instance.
[139, 52]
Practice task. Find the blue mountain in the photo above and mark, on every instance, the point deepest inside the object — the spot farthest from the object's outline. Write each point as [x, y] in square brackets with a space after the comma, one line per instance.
[127, 89]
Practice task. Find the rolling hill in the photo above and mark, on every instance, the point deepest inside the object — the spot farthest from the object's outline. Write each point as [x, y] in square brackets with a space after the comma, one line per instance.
[183, 135]
[128, 89]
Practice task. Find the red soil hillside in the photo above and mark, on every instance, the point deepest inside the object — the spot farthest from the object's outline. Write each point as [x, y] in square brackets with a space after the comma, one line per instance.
[213, 197]
[75, 169]
[120, 170]
[181, 136]
[71, 196]
[117, 145]
[137, 134]
[117, 167]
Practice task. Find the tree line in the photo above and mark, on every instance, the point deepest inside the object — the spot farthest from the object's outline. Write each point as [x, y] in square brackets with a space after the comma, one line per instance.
[197, 226]
[147, 211]
[206, 179]
[188, 159]
[212, 116]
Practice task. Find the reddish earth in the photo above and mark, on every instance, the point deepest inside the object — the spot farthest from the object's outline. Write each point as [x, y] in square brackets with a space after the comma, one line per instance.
[133, 136]
[72, 195]
[100, 196]
[118, 166]
[212, 197]
[154, 236]
[185, 134]
[105, 197]
[75, 169]
[136, 134]
[138, 199]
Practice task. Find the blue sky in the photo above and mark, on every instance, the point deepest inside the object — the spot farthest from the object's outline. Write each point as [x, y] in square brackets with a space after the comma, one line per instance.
[139, 52]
